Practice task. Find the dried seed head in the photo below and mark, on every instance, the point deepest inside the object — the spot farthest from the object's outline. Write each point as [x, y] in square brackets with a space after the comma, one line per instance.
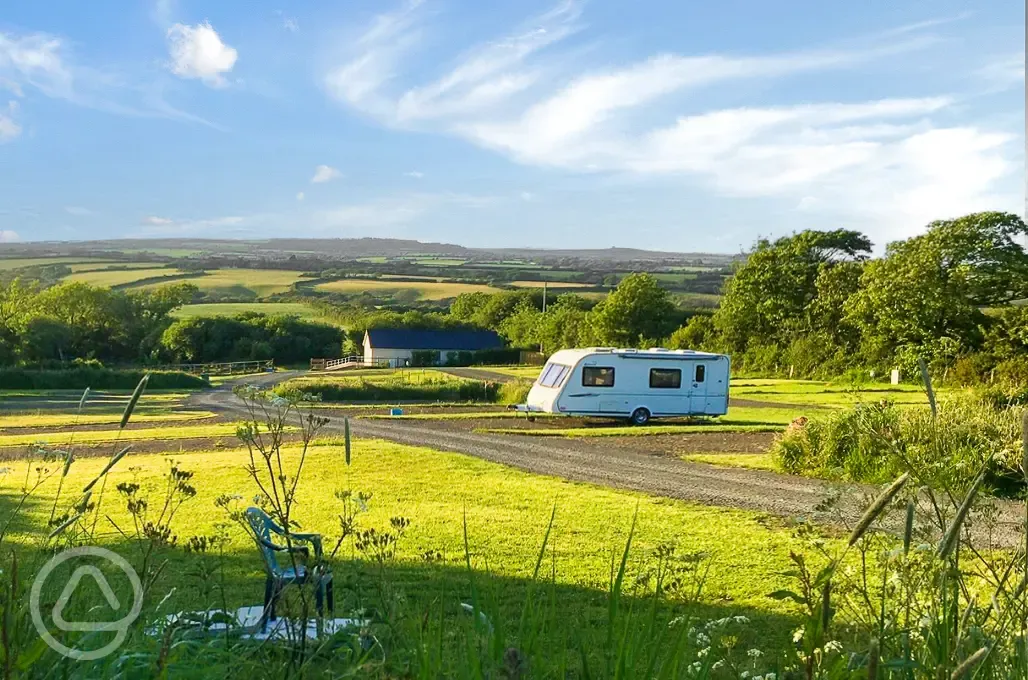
[133, 400]
[969, 664]
[949, 540]
[877, 508]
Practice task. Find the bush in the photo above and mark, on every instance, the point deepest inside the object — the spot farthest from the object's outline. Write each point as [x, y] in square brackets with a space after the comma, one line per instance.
[878, 442]
[81, 377]
[514, 392]
[392, 390]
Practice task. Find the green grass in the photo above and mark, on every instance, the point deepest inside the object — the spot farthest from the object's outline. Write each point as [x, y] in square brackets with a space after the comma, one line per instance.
[506, 512]
[89, 418]
[128, 435]
[751, 461]
[299, 309]
[392, 386]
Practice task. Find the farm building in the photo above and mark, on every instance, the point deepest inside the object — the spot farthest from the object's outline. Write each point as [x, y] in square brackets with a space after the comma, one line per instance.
[402, 347]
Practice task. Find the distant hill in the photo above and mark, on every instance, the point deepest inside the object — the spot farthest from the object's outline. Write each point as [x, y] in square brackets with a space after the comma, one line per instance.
[344, 249]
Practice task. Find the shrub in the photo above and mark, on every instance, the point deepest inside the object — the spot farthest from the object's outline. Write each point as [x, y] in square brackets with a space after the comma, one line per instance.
[878, 442]
[393, 389]
[94, 377]
[513, 392]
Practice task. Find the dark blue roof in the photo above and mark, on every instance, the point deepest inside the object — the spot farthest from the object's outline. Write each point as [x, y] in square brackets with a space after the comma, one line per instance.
[402, 338]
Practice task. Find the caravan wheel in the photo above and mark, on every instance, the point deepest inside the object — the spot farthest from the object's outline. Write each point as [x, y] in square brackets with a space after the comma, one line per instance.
[640, 416]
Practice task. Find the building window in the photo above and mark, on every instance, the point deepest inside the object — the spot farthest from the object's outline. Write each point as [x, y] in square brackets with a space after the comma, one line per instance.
[665, 378]
[598, 376]
[701, 373]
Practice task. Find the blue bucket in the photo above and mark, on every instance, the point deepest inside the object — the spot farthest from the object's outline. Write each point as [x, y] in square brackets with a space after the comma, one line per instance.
[396, 411]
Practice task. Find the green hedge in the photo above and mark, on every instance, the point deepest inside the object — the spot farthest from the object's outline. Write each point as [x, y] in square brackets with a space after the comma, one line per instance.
[96, 378]
[451, 390]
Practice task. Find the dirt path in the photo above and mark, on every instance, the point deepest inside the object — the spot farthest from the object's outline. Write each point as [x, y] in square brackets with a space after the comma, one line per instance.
[632, 468]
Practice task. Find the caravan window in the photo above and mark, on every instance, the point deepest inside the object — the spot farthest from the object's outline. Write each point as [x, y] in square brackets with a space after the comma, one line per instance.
[553, 375]
[598, 376]
[701, 373]
[665, 378]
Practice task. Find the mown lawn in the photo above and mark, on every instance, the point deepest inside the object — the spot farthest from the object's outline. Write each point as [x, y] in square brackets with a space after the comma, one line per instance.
[506, 513]
[144, 434]
[40, 420]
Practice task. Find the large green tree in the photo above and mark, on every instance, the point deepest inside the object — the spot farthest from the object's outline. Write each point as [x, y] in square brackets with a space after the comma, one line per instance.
[929, 291]
[775, 293]
[638, 311]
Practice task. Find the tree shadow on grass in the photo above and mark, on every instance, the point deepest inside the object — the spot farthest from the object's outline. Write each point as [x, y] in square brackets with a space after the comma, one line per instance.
[424, 614]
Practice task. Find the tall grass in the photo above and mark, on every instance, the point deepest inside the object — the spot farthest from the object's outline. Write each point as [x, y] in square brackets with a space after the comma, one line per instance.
[875, 442]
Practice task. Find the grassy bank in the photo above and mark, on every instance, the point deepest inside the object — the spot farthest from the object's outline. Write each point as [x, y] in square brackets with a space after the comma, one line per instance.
[95, 378]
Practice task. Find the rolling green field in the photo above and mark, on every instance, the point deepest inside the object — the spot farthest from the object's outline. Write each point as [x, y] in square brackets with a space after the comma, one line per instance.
[428, 290]
[549, 284]
[117, 277]
[19, 262]
[256, 282]
[235, 308]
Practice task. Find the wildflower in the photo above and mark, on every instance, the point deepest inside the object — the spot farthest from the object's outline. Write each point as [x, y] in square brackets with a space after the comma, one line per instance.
[744, 675]
[754, 653]
[703, 652]
[741, 619]
[833, 646]
[797, 634]
[717, 664]
[770, 676]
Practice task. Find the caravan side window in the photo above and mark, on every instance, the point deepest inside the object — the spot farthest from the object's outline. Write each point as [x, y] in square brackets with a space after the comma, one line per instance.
[598, 376]
[701, 373]
[669, 378]
[553, 375]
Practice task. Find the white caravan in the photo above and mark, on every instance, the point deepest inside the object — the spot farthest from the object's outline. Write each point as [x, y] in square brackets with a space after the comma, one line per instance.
[631, 383]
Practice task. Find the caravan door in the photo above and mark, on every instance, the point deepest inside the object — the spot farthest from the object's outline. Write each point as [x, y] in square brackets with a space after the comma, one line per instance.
[698, 385]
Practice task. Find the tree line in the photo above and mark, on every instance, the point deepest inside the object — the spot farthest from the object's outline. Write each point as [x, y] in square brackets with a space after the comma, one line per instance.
[812, 304]
[74, 322]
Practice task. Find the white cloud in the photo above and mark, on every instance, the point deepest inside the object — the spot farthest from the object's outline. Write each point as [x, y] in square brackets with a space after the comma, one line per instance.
[165, 226]
[155, 221]
[9, 128]
[415, 174]
[290, 25]
[198, 52]
[300, 196]
[325, 173]
[78, 211]
[44, 62]
[888, 162]
[8, 236]
[527, 196]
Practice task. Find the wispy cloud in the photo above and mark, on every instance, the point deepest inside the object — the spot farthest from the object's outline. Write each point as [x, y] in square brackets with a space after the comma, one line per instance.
[78, 211]
[45, 63]
[627, 118]
[154, 226]
[414, 174]
[8, 236]
[9, 127]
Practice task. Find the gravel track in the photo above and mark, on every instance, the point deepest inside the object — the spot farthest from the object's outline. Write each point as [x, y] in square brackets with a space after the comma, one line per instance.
[625, 468]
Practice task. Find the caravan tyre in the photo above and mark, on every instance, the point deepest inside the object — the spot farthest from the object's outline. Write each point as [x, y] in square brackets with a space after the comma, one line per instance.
[640, 416]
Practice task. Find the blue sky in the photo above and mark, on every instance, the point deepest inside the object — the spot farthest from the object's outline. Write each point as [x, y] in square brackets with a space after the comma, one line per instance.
[667, 124]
